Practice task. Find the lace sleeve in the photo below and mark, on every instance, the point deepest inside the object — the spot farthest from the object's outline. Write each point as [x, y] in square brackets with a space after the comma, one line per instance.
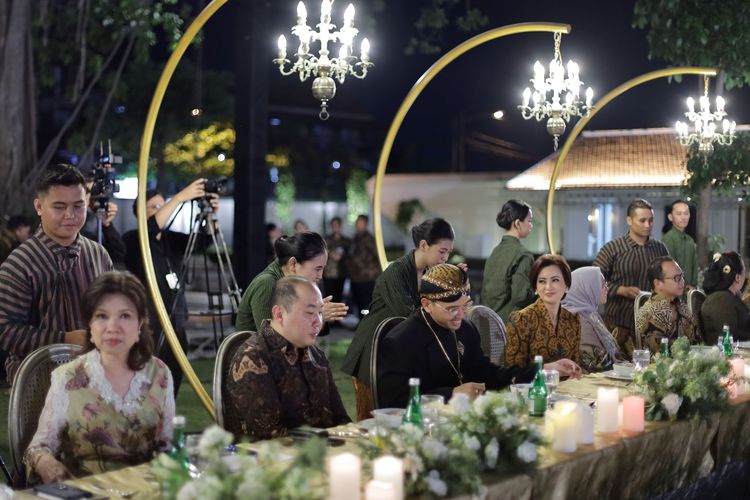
[169, 411]
[51, 421]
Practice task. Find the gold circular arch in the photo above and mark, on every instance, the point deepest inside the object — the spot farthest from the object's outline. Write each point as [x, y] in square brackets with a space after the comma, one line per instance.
[148, 132]
[647, 77]
[417, 89]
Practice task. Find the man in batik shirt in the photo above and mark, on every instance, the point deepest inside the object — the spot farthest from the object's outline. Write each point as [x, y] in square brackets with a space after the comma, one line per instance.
[278, 379]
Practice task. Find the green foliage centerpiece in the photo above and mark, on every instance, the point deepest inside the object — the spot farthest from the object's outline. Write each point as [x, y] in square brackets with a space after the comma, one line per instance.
[691, 383]
[492, 433]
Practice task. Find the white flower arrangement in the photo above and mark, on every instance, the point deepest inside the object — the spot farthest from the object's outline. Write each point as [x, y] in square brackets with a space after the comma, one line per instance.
[688, 384]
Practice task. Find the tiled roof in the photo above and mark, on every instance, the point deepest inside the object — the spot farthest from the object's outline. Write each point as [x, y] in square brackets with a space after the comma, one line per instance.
[612, 159]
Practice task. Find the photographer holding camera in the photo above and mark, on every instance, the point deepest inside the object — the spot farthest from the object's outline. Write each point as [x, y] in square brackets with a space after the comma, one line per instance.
[110, 236]
[167, 250]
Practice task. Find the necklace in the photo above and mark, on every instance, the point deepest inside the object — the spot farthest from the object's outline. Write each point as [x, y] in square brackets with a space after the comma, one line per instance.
[445, 353]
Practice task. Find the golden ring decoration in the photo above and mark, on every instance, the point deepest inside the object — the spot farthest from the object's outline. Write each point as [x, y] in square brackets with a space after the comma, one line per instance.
[427, 76]
[148, 132]
[621, 89]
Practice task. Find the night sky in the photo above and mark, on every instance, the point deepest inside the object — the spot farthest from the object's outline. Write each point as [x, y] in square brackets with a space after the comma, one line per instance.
[602, 41]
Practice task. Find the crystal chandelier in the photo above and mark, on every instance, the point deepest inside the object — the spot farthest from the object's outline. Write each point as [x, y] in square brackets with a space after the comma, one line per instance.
[705, 124]
[324, 68]
[565, 93]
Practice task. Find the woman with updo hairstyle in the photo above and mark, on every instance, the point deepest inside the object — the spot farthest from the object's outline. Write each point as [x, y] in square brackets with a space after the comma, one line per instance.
[396, 293]
[505, 286]
[723, 282]
[302, 254]
[113, 405]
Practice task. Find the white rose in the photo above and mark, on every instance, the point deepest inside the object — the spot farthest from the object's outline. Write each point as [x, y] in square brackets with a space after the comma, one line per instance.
[491, 452]
[481, 403]
[213, 439]
[435, 484]
[460, 403]
[671, 402]
[527, 452]
[434, 449]
[472, 443]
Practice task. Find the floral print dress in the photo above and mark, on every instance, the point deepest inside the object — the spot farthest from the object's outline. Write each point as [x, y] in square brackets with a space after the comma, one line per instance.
[91, 429]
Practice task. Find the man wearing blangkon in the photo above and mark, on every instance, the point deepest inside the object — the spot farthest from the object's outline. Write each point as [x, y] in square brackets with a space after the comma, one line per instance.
[278, 379]
[43, 280]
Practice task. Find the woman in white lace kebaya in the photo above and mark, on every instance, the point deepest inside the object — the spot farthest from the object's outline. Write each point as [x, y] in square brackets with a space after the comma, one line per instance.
[113, 405]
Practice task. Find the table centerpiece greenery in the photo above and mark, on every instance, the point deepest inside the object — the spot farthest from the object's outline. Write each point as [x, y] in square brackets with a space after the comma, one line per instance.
[691, 383]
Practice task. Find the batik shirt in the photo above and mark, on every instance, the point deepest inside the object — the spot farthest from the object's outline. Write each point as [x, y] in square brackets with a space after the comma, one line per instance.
[91, 429]
[660, 317]
[274, 386]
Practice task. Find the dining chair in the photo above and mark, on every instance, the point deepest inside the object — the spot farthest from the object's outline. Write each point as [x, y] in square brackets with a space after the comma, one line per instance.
[224, 356]
[27, 398]
[639, 302]
[382, 329]
[695, 298]
[491, 332]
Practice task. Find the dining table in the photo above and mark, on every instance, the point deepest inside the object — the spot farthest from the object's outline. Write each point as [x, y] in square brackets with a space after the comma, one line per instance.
[665, 457]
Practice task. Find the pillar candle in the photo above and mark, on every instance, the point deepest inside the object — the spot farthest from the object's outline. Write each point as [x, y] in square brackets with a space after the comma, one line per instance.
[607, 403]
[633, 413]
[737, 369]
[585, 417]
[390, 470]
[379, 490]
[565, 434]
[344, 476]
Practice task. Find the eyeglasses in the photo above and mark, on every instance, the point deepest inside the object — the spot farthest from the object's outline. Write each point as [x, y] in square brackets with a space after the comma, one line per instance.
[677, 277]
[453, 311]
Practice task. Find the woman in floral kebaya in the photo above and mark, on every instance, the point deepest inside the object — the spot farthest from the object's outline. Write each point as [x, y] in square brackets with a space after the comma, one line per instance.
[112, 406]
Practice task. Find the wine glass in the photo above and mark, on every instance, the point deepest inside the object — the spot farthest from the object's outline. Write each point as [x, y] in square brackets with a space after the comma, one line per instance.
[192, 452]
[641, 358]
[551, 380]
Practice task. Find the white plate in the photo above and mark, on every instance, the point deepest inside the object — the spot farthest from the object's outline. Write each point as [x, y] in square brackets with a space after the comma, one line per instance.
[368, 423]
[617, 376]
[745, 344]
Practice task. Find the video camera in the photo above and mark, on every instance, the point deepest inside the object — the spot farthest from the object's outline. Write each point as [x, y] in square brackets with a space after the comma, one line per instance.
[104, 179]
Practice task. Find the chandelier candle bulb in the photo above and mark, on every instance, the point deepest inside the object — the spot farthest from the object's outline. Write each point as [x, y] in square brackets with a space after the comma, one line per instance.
[390, 470]
[633, 413]
[282, 46]
[607, 403]
[379, 490]
[349, 16]
[585, 417]
[344, 471]
[301, 14]
[565, 434]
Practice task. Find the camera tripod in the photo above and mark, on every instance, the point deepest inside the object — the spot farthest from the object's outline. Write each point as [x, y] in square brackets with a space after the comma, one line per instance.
[206, 229]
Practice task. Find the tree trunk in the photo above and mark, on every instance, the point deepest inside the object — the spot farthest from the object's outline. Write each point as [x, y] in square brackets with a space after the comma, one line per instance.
[17, 105]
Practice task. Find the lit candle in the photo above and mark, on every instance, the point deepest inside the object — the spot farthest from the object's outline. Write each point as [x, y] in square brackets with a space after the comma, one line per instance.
[607, 402]
[565, 434]
[390, 470]
[633, 413]
[737, 369]
[585, 417]
[344, 475]
[379, 490]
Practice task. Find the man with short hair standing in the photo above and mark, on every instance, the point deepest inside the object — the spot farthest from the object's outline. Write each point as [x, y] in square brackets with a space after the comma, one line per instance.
[278, 379]
[664, 315]
[681, 245]
[624, 262]
[43, 280]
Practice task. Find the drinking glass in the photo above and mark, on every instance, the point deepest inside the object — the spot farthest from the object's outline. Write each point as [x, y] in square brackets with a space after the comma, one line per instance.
[431, 405]
[641, 358]
[551, 380]
[195, 461]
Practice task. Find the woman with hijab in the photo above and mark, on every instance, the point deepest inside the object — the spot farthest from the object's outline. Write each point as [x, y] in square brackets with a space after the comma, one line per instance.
[587, 291]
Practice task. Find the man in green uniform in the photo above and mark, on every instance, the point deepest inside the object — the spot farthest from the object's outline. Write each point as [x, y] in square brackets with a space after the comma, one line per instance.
[680, 245]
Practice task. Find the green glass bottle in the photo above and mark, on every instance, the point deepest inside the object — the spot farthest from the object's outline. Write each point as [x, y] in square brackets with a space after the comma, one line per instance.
[178, 441]
[413, 412]
[665, 347]
[726, 342]
[538, 391]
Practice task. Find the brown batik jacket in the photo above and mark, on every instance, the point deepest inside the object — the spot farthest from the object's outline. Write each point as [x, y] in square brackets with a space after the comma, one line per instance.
[273, 387]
